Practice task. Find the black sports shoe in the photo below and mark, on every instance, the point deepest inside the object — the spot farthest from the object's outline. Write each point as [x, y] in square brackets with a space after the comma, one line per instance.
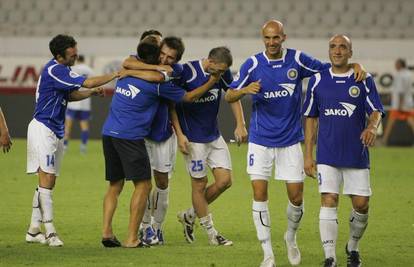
[353, 259]
[188, 226]
[111, 242]
[329, 262]
[219, 240]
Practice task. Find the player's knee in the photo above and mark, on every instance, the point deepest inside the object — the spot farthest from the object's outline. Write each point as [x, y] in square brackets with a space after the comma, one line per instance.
[161, 180]
[329, 200]
[361, 208]
[225, 184]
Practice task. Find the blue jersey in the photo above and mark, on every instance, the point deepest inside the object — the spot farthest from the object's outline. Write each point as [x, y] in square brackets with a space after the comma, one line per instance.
[341, 105]
[198, 120]
[161, 128]
[276, 113]
[134, 105]
[55, 84]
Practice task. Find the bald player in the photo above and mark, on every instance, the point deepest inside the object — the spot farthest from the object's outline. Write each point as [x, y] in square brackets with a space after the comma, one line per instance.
[341, 106]
[273, 78]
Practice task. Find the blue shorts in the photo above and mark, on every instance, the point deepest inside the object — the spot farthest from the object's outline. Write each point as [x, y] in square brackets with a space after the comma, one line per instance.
[80, 115]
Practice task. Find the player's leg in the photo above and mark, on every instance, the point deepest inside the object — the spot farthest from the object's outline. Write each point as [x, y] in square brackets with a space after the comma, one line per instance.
[84, 125]
[137, 168]
[163, 165]
[259, 168]
[329, 179]
[115, 175]
[45, 157]
[137, 207]
[410, 121]
[357, 185]
[220, 162]
[289, 167]
[196, 164]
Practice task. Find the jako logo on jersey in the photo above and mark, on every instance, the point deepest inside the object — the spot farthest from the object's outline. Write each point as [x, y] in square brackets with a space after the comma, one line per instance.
[289, 89]
[212, 97]
[132, 92]
[354, 91]
[347, 111]
[292, 74]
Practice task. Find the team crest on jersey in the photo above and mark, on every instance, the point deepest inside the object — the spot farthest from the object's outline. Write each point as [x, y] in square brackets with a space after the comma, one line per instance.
[73, 74]
[354, 91]
[292, 74]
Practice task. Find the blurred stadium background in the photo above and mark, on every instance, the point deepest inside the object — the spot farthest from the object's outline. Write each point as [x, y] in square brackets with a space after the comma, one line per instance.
[107, 31]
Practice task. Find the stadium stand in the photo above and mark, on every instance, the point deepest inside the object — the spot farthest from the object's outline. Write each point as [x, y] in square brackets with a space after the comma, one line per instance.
[214, 18]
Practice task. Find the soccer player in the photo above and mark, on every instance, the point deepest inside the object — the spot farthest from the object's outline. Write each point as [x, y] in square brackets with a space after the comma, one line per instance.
[5, 140]
[79, 110]
[340, 106]
[200, 140]
[133, 108]
[274, 79]
[57, 85]
[402, 104]
[161, 143]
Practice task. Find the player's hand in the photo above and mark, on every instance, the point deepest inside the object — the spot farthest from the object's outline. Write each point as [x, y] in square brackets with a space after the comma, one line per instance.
[99, 91]
[166, 68]
[5, 141]
[360, 72]
[310, 167]
[368, 136]
[240, 134]
[253, 88]
[183, 144]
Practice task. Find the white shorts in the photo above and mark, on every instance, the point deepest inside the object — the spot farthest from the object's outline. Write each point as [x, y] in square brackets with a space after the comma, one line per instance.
[356, 181]
[288, 163]
[44, 149]
[214, 155]
[162, 155]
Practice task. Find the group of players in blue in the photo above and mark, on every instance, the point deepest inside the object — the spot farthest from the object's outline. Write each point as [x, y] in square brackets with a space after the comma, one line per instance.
[159, 104]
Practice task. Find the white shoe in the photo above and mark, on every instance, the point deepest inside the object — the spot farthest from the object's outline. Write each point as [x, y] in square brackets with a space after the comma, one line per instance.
[268, 262]
[219, 240]
[292, 251]
[35, 238]
[53, 240]
[150, 236]
[188, 226]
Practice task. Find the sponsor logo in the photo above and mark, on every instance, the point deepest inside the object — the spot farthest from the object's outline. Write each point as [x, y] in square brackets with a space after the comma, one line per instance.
[292, 74]
[212, 97]
[354, 91]
[132, 91]
[289, 88]
[348, 110]
[237, 76]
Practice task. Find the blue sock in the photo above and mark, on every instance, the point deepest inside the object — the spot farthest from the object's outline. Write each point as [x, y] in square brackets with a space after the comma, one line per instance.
[84, 137]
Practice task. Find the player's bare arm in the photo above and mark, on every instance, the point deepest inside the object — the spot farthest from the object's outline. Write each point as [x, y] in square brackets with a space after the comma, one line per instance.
[148, 75]
[240, 133]
[101, 80]
[311, 124]
[200, 91]
[369, 134]
[182, 141]
[5, 140]
[132, 63]
[80, 95]
[235, 95]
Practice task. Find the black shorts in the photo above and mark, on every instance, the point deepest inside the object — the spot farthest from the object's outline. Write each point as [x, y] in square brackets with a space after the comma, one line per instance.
[125, 159]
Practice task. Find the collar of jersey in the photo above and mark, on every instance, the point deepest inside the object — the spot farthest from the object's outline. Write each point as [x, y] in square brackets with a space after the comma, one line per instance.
[273, 61]
[206, 74]
[342, 75]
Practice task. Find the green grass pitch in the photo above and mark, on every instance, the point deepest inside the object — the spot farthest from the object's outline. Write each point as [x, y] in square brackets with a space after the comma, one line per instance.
[388, 241]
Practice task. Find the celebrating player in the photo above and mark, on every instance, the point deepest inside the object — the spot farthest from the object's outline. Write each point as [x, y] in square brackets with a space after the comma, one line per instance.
[340, 106]
[57, 85]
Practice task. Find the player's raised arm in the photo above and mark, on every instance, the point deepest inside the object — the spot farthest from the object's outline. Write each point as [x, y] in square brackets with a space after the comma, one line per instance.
[80, 95]
[101, 80]
[195, 94]
[235, 95]
[148, 75]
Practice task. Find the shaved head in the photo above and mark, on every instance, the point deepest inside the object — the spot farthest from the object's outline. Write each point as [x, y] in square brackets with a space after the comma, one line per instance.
[273, 38]
[341, 37]
[274, 25]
